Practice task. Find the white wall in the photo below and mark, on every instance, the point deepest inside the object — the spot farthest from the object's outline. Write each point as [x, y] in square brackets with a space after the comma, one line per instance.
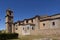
[24, 31]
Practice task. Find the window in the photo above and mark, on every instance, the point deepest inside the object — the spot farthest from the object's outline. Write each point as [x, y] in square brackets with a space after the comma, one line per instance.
[32, 28]
[10, 19]
[32, 20]
[26, 21]
[23, 28]
[16, 25]
[19, 23]
[16, 28]
[43, 24]
[28, 28]
[10, 13]
[53, 23]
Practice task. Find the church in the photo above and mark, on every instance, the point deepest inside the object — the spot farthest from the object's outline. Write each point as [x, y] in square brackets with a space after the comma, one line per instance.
[37, 25]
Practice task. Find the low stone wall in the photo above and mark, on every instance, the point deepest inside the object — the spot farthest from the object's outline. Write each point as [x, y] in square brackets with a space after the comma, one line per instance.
[46, 32]
[49, 32]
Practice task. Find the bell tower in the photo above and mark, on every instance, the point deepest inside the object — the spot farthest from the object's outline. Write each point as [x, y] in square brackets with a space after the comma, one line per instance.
[9, 20]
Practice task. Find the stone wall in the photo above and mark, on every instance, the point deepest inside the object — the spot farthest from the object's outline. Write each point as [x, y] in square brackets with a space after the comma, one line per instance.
[49, 32]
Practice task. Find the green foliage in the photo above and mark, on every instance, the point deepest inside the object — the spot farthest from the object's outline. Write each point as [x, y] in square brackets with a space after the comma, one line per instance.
[4, 36]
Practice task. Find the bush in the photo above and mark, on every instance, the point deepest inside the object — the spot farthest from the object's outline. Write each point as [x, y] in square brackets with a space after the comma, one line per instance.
[5, 36]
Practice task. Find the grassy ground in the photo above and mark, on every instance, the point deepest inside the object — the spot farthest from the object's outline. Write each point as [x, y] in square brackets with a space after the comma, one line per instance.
[54, 37]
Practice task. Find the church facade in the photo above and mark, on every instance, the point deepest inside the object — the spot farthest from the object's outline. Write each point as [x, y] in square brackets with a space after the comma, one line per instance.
[33, 26]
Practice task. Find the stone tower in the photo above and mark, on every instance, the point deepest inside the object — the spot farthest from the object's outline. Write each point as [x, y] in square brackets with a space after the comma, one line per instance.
[9, 20]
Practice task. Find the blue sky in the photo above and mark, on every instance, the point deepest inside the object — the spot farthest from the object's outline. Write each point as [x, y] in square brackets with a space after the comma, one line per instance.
[28, 8]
